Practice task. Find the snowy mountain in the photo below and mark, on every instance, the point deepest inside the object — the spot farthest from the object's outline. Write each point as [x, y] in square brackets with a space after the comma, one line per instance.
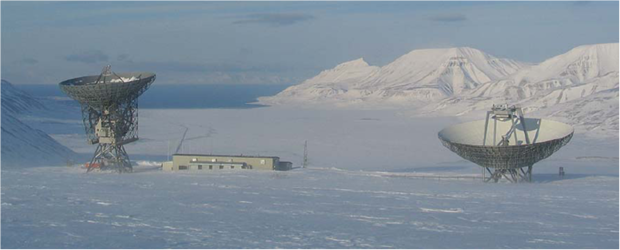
[330, 85]
[457, 81]
[560, 87]
[419, 77]
[21, 144]
[16, 101]
[582, 65]
[596, 113]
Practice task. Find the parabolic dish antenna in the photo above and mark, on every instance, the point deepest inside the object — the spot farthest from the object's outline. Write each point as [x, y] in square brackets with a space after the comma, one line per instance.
[109, 103]
[506, 142]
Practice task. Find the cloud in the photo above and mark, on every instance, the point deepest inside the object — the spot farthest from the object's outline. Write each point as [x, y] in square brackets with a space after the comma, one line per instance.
[124, 58]
[30, 61]
[189, 67]
[245, 51]
[448, 18]
[168, 66]
[582, 2]
[92, 56]
[275, 19]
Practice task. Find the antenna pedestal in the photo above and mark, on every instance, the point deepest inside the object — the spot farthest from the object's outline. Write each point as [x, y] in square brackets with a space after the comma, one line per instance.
[111, 157]
[514, 175]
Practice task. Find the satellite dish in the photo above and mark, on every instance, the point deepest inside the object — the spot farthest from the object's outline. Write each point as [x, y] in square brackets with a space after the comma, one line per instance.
[109, 103]
[506, 142]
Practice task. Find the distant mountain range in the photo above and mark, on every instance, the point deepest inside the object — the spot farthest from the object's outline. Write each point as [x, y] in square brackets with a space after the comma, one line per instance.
[418, 77]
[579, 86]
[22, 144]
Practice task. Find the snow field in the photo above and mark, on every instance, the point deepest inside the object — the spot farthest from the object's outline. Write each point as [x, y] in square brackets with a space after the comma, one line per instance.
[57, 207]
[373, 183]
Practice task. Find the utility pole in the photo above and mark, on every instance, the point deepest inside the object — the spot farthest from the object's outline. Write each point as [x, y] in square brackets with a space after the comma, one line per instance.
[305, 162]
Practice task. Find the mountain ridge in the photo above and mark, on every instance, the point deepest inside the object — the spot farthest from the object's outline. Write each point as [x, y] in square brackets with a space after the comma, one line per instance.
[574, 74]
[462, 80]
[439, 73]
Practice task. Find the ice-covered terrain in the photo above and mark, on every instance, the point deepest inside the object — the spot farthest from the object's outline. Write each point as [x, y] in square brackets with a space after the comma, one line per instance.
[377, 179]
[22, 144]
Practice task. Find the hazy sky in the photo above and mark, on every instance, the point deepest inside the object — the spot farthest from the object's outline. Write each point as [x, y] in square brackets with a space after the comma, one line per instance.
[277, 42]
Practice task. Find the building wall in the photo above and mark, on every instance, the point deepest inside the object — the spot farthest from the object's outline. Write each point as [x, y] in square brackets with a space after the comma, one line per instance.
[285, 166]
[166, 166]
[198, 165]
[259, 163]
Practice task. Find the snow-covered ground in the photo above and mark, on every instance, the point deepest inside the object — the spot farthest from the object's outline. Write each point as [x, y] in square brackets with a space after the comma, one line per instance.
[351, 139]
[377, 179]
[310, 208]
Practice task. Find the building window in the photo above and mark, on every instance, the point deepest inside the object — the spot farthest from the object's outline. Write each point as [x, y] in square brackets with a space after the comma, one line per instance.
[194, 159]
[182, 167]
[210, 167]
[232, 167]
[262, 162]
[213, 160]
[221, 166]
[199, 167]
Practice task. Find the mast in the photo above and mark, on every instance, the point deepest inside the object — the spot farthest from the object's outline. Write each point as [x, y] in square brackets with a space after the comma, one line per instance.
[305, 162]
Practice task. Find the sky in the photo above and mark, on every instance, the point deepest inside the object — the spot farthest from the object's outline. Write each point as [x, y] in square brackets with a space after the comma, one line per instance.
[277, 42]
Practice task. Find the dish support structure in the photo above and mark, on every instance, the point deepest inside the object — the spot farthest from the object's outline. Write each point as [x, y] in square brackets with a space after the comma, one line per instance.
[515, 115]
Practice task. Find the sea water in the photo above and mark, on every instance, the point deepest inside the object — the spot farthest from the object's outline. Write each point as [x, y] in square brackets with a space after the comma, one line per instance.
[183, 96]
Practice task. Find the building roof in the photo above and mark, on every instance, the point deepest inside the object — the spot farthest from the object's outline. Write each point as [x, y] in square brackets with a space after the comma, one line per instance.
[216, 163]
[246, 156]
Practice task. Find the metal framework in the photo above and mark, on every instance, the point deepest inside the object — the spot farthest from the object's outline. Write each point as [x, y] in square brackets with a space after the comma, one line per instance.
[109, 104]
[515, 115]
[501, 159]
